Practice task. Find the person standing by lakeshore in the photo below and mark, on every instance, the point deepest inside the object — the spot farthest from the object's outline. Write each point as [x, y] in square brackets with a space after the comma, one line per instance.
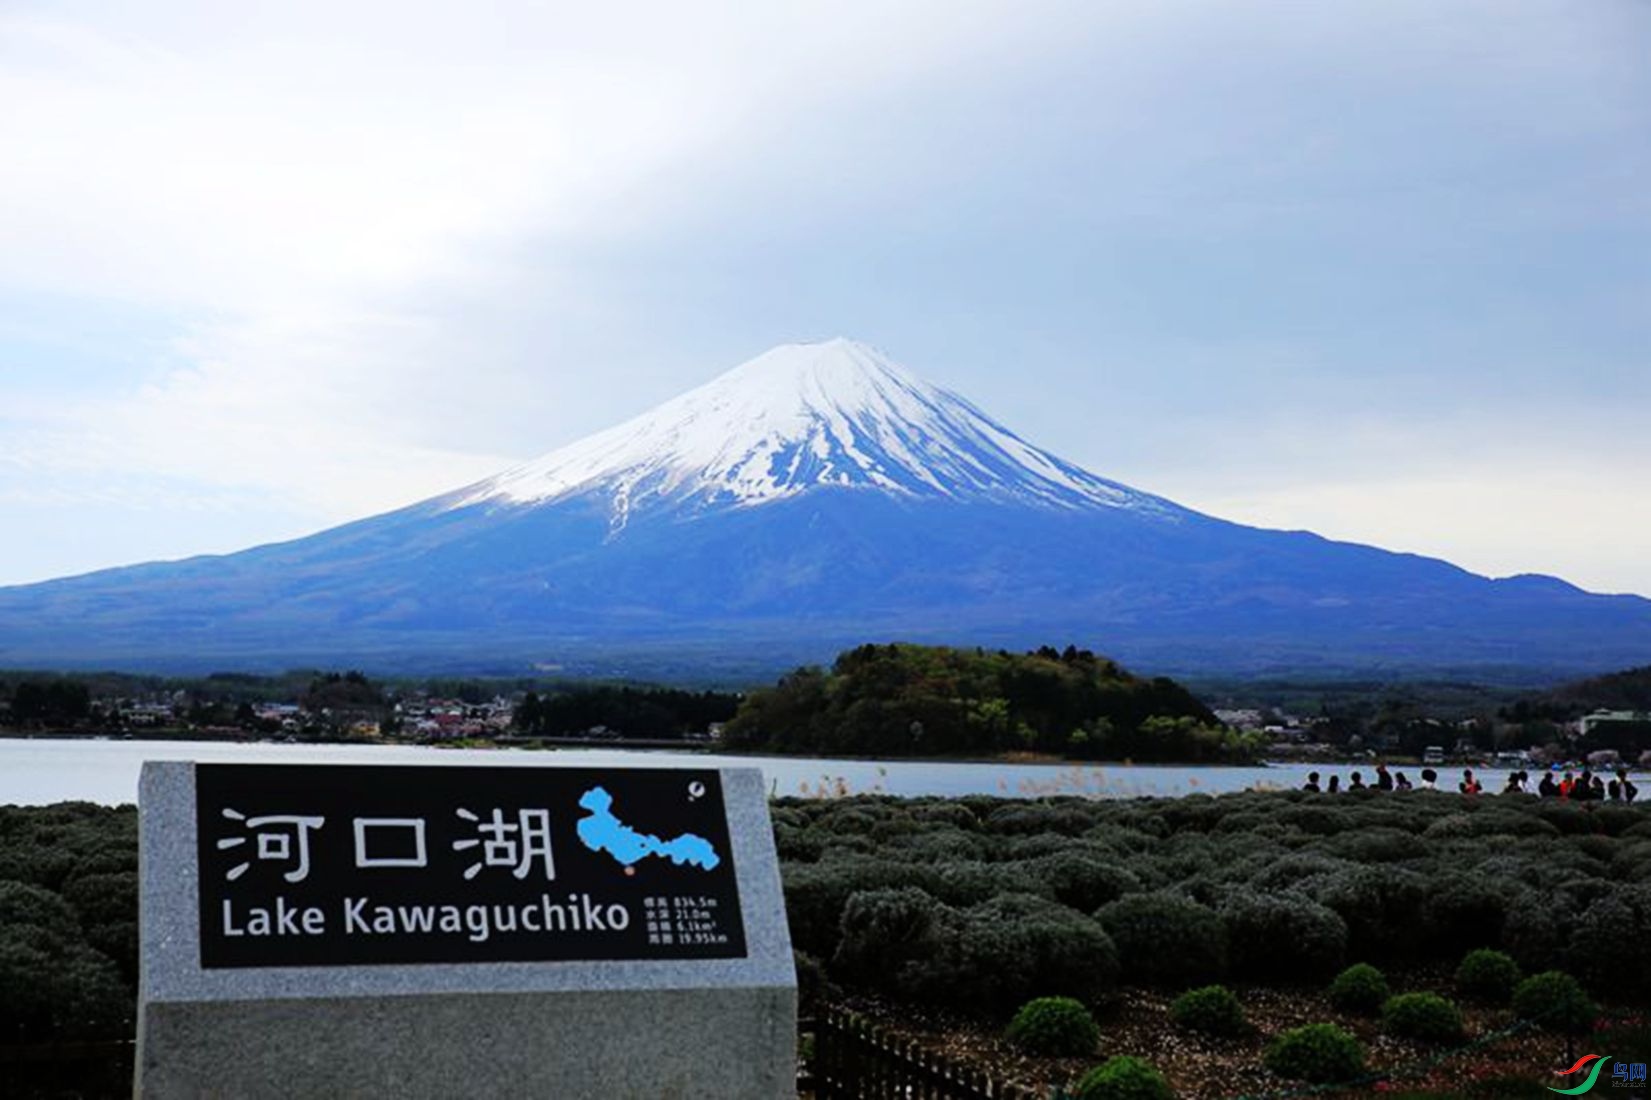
[1468, 785]
[1384, 779]
[1312, 783]
[1401, 782]
[1547, 788]
[1335, 785]
[1430, 779]
[1355, 782]
[1628, 788]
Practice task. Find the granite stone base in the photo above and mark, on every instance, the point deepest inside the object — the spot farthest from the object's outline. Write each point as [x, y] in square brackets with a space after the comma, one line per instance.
[656, 1045]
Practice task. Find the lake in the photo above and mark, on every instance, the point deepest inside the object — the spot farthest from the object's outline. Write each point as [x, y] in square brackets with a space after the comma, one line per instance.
[41, 770]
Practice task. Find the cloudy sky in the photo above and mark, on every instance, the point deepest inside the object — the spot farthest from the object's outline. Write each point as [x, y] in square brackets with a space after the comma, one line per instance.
[1381, 269]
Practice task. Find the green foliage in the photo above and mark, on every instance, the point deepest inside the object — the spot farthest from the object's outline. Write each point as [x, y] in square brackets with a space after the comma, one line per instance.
[1320, 1053]
[1361, 989]
[999, 954]
[1212, 1010]
[1257, 923]
[1056, 1026]
[1425, 1016]
[1166, 940]
[882, 932]
[1464, 912]
[1381, 905]
[1487, 975]
[1611, 945]
[631, 711]
[55, 985]
[1083, 880]
[1556, 1001]
[812, 983]
[911, 700]
[1123, 1078]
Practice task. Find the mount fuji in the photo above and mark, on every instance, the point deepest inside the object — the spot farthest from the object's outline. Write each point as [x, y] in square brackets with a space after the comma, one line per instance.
[814, 497]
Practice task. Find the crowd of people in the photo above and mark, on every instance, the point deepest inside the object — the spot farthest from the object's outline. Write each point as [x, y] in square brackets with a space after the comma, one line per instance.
[1569, 786]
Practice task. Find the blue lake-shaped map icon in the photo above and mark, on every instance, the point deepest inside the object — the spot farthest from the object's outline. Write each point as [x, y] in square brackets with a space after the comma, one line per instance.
[601, 831]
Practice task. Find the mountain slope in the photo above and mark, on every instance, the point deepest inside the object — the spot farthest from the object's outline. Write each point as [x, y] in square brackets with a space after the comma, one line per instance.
[815, 497]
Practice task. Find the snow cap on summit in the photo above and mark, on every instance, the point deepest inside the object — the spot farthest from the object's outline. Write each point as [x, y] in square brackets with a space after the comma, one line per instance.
[837, 414]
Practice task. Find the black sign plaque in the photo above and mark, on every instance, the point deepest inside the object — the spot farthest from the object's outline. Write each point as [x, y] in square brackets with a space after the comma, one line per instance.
[340, 865]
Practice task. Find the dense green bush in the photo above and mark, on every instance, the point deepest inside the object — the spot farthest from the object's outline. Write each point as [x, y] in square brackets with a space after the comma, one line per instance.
[1538, 928]
[1380, 845]
[1319, 1053]
[1056, 1026]
[995, 956]
[1487, 975]
[1123, 1078]
[1381, 905]
[1463, 912]
[815, 894]
[1556, 1001]
[1257, 924]
[1610, 947]
[1425, 1016]
[970, 882]
[1166, 940]
[1212, 1010]
[883, 931]
[1361, 988]
[1084, 880]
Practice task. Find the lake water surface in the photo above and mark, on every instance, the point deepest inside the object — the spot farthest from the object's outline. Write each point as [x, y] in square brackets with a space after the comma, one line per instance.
[41, 770]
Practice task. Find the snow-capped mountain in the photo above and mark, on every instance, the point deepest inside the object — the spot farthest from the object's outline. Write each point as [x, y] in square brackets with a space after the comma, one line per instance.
[799, 417]
[815, 497]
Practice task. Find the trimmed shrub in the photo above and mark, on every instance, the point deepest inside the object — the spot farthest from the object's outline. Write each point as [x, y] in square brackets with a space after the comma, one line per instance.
[1361, 989]
[1538, 928]
[1083, 880]
[1463, 912]
[1425, 1016]
[1166, 940]
[816, 893]
[1212, 1010]
[1556, 1001]
[1123, 1078]
[1257, 924]
[1488, 976]
[1320, 1053]
[971, 883]
[1057, 1026]
[998, 955]
[882, 931]
[1611, 945]
[1382, 845]
[1381, 905]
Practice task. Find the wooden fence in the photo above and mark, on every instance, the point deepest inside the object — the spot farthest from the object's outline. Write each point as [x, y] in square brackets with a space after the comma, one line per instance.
[855, 1060]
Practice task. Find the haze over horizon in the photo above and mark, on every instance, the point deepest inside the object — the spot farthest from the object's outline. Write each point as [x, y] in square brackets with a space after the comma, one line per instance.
[1381, 273]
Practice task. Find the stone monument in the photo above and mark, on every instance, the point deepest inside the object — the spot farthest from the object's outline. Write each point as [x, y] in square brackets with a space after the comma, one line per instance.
[441, 931]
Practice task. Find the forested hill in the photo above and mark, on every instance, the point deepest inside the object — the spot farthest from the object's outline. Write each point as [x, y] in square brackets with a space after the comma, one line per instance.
[914, 700]
[1628, 690]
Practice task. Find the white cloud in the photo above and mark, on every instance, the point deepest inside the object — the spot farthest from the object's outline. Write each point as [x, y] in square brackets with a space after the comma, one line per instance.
[303, 185]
